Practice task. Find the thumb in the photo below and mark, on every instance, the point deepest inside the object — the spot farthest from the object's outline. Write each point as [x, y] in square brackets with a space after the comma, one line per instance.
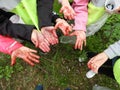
[13, 59]
[61, 10]
[56, 26]
[36, 43]
[54, 33]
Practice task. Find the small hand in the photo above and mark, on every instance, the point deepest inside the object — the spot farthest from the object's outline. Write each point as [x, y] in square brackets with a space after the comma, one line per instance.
[97, 61]
[81, 39]
[39, 41]
[68, 12]
[25, 53]
[63, 25]
[50, 34]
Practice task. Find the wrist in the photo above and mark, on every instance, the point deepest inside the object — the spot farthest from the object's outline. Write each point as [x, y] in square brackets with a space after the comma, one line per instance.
[33, 33]
[16, 46]
[65, 2]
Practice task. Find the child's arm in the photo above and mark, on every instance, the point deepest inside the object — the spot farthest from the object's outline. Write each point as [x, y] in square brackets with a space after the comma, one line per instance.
[97, 61]
[22, 31]
[15, 49]
[45, 8]
[80, 21]
[8, 28]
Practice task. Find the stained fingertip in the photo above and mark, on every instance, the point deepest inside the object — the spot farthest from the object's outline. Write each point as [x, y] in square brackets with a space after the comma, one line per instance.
[75, 47]
[12, 64]
[88, 66]
[40, 47]
[84, 42]
[33, 51]
[37, 61]
[13, 61]
[60, 11]
[38, 57]
[81, 48]
[32, 65]
[47, 48]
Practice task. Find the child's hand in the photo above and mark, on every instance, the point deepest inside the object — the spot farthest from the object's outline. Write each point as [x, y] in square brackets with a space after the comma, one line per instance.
[68, 12]
[81, 38]
[50, 34]
[27, 54]
[97, 61]
[39, 41]
[63, 25]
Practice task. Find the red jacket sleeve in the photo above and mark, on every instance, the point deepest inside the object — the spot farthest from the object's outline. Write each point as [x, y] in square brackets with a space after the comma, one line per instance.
[7, 44]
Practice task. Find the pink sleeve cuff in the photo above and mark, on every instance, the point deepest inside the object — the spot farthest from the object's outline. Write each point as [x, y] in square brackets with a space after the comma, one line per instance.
[8, 45]
[15, 45]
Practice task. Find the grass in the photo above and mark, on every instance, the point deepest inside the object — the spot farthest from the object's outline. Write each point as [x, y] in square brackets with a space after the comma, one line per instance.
[58, 69]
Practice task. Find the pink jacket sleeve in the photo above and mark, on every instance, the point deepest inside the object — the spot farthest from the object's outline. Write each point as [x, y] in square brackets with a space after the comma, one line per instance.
[80, 8]
[7, 44]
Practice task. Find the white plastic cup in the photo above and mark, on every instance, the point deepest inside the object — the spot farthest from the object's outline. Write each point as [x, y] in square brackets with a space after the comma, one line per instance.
[90, 74]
